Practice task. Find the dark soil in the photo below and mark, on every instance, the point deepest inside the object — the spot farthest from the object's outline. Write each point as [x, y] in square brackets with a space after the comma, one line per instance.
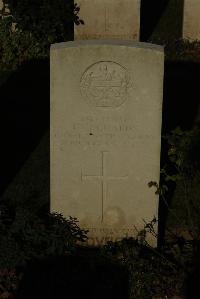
[84, 275]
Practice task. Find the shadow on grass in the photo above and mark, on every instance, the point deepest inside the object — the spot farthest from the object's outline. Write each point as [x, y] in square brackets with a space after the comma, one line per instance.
[24, 116]
[80, 276]
[181, 95]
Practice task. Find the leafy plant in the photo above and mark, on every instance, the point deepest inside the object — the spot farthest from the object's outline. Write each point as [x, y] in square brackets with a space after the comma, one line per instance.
[162, 272]
[9, 282]
[179, 49]
[25, 236]
[151, 273]
[183, 169]
[17, 47]
[183, 155]
[48, 19]
[29, 234]
[32, 27]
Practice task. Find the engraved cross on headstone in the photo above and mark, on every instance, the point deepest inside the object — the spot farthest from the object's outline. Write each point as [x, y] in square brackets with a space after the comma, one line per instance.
[104, 178]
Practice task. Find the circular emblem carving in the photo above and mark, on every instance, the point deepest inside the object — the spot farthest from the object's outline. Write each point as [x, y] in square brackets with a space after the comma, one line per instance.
[105, 84]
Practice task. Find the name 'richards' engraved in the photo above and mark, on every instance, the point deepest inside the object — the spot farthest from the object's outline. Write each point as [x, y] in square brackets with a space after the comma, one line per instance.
[105, 84]
[94, 131]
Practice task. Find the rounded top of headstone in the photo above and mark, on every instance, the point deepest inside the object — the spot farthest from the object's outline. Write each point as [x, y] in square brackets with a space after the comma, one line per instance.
[107, 42]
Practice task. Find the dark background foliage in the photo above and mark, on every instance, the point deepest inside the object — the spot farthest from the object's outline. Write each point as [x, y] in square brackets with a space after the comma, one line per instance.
[47, 20]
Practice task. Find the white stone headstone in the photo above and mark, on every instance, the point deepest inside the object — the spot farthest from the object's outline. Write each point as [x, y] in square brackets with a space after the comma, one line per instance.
[1, 4]
[106, 110]
[191, 20]
[108, 19]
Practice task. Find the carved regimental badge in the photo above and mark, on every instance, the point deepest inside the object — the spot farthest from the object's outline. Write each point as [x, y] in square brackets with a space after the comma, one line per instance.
[105, 84]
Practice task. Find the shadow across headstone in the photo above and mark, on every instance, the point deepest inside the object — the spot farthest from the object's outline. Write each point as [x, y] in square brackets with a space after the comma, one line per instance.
[150, 13]
[161, 20]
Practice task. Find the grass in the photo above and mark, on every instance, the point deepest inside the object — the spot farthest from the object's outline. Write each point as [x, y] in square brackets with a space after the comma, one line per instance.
[33, 179]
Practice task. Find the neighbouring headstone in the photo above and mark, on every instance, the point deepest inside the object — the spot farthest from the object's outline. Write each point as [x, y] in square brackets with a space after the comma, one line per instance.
[108, 19]
[191, 20]
[4, 9]
[1, 5]
[106, 110]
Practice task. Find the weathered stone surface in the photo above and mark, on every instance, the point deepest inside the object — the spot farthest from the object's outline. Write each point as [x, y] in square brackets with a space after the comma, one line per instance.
[1, 4]
[106, 107]
[118, 19]
[191, 20]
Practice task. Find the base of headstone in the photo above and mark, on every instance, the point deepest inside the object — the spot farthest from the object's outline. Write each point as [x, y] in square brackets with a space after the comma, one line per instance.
[98, 237]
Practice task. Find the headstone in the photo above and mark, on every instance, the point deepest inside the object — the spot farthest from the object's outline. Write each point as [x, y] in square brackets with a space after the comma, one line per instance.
[4, 9]
[106, 107]
[1, 5]
[191, 20]
[108, 19]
